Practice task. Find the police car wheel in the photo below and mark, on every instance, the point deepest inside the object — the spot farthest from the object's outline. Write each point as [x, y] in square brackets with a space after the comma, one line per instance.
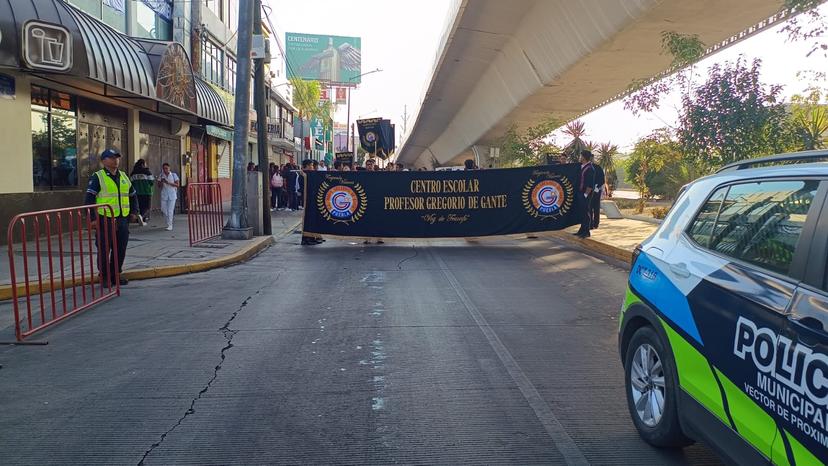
[649, 376]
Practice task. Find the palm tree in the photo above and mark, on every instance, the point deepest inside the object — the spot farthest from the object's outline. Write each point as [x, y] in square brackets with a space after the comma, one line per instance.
[810, 118]
[306, 99]
[574, 148]
[606, 158]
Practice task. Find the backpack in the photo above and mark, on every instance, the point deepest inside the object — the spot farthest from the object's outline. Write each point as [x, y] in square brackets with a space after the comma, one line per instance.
[277, 181]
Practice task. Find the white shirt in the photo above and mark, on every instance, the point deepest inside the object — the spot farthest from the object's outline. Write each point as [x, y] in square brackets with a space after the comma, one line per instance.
[169, 193]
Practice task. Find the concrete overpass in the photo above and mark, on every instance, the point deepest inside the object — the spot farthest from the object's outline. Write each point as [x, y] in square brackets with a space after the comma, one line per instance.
[516, 62]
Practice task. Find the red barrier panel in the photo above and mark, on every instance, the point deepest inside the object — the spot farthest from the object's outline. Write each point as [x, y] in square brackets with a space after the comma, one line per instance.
[205, 212]
[65, 280]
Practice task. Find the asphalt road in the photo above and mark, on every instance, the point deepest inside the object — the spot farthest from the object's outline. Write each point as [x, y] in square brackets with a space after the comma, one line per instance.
[452, 352]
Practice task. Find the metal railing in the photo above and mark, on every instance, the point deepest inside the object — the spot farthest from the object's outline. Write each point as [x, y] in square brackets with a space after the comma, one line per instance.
[60, 267]
[205, 212]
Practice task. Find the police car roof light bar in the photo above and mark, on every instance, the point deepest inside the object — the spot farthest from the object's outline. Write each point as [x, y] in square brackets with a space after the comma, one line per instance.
[811, 155]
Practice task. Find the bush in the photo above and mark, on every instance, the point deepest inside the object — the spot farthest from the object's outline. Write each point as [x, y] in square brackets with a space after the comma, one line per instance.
[659, 212]
[626, 203]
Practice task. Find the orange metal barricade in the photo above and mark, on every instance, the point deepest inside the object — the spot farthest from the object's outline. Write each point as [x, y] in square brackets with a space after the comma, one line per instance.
[205, 211]
[64, 280]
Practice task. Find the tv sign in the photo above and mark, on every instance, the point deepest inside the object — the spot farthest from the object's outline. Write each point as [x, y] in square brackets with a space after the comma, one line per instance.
[47, 46]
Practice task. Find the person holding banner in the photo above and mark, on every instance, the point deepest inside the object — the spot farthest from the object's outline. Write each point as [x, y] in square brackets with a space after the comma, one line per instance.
[595, 204]
[586, 187]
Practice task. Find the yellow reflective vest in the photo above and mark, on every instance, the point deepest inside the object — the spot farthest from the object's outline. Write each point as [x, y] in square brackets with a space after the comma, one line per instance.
[110, 195]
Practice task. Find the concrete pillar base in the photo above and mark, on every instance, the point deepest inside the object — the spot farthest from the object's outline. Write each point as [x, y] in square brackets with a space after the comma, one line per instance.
[237, 233]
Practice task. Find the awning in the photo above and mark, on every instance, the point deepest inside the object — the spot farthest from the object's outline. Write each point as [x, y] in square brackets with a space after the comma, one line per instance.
[210, 104]
[48, 37]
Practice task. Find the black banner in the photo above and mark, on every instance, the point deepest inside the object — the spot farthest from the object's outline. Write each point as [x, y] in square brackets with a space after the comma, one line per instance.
[386, 140]
[345, 158]
[442, 204]
[369, 134]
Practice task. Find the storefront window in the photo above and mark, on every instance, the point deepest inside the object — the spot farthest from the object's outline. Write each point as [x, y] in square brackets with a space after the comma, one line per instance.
[54, 139]
[91, 7]
[150, 24]
[111, 12]
[114, 14]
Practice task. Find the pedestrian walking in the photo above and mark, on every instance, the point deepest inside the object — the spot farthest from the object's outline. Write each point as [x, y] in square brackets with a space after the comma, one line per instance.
[277, 186]
[144, 183]
[595, 203]
[586, 186]
[291, 177]
[169, 183]
[111, 187]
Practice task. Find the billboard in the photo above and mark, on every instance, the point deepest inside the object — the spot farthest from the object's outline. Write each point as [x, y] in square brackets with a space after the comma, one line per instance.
[334, 59]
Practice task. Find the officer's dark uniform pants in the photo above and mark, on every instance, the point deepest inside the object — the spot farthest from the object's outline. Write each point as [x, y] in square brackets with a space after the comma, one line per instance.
[106, 252]
[585, 211]
[595, 209]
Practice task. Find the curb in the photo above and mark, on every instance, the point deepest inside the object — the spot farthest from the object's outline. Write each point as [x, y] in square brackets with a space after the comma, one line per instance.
[259, 244]
[595, 246]
[643, 218]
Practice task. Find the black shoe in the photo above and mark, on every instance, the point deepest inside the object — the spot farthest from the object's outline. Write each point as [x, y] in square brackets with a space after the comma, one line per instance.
[531, 237]
[122, 281]
[379, 241]
[584, 235]
[577, 233]
[309, 242]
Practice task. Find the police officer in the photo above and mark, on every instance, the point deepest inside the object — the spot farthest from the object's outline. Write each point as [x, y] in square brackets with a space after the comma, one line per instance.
[110, 186]
[586, 187]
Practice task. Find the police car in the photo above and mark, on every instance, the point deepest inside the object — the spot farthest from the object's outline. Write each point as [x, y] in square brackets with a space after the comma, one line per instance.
[724, 329]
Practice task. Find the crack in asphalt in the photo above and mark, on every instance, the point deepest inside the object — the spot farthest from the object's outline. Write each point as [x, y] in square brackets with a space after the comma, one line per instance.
[400, 263]
[228, 334]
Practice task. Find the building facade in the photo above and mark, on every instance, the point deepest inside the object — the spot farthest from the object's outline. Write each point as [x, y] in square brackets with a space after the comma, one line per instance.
[84, 86]
[154, 79]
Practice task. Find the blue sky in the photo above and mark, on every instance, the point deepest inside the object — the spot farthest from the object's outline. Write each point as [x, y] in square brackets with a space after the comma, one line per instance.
[401, 37]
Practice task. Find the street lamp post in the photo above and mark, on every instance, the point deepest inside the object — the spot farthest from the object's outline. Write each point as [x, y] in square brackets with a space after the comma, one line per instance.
[348, 123]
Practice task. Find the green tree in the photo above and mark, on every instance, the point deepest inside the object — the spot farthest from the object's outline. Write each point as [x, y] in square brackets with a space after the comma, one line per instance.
[306, 99]
[809, 115]
[527, 148]
[646, 94]
[807, 24]
[733, 116]
[657, 167]
[607, 153]
[576, 130]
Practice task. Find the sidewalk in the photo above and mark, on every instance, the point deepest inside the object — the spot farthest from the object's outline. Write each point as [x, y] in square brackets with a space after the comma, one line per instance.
[614, 238]
[154, 252]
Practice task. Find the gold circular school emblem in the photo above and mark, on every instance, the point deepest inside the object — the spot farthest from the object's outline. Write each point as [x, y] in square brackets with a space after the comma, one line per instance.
[548, 196]
[341, 202]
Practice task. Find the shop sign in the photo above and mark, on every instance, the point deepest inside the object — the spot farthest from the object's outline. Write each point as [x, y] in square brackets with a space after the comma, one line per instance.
[7, 87]
[47, 46]
[341, 95]
[219, 132]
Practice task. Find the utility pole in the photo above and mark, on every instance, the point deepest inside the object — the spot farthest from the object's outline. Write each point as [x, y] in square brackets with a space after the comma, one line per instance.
[404, 124]
[262, 142]
[237, 226]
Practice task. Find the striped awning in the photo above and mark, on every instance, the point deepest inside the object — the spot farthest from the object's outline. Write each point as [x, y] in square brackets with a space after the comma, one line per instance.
[155, 74]
[210, 105]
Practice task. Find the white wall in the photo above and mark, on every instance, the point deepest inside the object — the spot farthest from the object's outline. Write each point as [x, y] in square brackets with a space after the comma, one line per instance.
[16, 137]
